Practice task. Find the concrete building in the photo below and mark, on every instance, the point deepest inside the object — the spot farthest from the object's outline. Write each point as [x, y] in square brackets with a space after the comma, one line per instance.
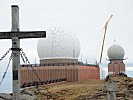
[116, 56]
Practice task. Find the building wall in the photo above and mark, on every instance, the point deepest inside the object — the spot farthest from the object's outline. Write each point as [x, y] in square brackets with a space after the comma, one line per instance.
[116, 67]
[58, 61]
[89, 72]
[67, 72]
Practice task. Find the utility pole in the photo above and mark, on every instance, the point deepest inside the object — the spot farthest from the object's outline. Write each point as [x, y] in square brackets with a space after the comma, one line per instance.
[16, 35]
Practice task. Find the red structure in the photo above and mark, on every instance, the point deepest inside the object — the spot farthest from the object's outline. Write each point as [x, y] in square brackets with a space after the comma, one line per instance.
[116, 67]
[88, 72]
[58, 73]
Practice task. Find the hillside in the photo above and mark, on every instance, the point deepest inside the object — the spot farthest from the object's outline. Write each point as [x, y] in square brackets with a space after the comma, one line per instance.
[90, 89]
[83, 90]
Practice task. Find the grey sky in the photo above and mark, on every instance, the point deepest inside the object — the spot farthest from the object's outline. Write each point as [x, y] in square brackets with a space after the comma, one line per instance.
[85, 18]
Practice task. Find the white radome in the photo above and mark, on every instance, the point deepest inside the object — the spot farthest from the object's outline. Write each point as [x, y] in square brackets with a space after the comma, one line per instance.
[115, 52]
[58, 44]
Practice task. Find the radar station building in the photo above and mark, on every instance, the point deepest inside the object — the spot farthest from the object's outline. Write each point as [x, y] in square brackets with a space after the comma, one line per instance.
[58, 54]
[115, 54]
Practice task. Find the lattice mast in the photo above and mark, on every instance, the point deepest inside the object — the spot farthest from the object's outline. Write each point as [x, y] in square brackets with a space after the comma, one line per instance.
[105, 30]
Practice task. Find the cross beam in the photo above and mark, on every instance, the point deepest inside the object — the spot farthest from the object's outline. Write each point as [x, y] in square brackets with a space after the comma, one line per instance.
[22, 34]
[16, 35]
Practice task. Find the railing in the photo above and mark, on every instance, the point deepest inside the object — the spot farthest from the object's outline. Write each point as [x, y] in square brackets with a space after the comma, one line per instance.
[36, 83]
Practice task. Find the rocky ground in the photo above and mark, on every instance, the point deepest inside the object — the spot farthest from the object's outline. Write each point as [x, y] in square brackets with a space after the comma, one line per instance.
[124, 90]
[83, 90]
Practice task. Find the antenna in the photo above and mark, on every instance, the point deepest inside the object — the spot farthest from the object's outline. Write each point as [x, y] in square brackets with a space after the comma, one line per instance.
[105, 29]
[35, 62]
[81, 56]
[86, 62]
[114, 40]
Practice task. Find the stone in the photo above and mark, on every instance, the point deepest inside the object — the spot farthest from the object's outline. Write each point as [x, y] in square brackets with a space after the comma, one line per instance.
[4, 96]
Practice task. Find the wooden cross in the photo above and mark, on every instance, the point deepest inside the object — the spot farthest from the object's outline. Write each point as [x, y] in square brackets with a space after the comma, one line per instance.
[16, 35]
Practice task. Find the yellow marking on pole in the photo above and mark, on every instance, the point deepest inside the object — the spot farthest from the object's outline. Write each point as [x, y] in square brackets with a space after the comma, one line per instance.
[105, 28]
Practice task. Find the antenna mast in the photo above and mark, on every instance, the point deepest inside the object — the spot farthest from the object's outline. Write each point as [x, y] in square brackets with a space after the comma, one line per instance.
[105, 29]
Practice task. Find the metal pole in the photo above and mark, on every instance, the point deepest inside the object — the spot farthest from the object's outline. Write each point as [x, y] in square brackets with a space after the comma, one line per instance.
[15, 53]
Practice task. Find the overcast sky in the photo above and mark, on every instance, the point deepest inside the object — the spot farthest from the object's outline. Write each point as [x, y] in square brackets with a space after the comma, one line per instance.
[85, 18]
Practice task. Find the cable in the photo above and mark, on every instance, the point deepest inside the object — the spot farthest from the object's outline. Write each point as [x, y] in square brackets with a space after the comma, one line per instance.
[5, 54]
[26, 59]
[25, 64]
[6, 70]
[7, 65]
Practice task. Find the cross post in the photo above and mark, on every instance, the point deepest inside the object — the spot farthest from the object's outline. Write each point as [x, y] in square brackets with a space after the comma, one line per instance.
[16, 35]
[15, 53]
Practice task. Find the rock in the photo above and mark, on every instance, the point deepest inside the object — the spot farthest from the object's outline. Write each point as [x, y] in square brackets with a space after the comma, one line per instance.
[28, 97]
[4, 96]
[45, 92]
[120, 94]
[130, 86]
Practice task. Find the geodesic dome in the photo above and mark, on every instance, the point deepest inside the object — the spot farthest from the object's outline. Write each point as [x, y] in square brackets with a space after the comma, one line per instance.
[59, 43]
[115, 52]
